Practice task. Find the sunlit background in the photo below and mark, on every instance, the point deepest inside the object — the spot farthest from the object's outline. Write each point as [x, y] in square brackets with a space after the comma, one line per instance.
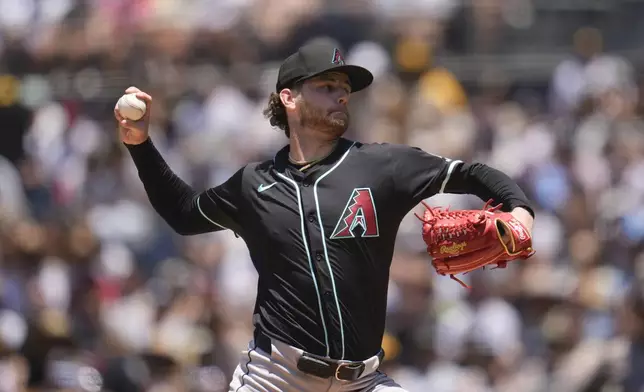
[98, 294]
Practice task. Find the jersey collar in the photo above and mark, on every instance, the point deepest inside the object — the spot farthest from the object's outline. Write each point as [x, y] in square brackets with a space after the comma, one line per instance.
[281, 161]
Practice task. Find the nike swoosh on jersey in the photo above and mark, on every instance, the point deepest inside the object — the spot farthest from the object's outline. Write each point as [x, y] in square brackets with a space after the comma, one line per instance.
[263, 187]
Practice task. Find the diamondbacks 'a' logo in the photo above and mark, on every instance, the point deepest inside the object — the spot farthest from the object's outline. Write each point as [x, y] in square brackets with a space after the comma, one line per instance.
[337, 57]
[359, 218]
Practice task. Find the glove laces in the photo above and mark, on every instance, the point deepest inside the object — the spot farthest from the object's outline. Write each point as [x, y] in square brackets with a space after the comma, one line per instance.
[463, 229]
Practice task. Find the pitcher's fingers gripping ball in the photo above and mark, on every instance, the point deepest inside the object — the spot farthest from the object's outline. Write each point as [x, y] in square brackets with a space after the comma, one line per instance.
[461, 241]
[131, 107]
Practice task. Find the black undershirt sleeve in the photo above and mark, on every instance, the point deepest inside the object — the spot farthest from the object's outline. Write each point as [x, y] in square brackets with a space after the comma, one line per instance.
[419, 175]
[186, 211]
[487, 183]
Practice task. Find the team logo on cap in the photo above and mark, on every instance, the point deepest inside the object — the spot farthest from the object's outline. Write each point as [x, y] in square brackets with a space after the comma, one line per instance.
[337, 57]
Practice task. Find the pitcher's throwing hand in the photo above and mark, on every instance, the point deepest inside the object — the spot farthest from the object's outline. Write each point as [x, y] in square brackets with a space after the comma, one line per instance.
[134, 132]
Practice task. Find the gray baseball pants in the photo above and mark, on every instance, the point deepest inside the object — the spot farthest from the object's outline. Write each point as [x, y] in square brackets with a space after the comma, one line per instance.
[259, 371]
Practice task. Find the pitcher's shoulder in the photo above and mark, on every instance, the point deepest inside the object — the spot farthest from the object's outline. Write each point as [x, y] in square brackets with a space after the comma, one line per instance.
[382, 149]
[260, 166]
[255, 170]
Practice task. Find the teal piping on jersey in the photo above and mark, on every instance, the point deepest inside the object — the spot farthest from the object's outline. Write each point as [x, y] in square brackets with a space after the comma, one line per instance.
[326, 253]
[308, 255]
[206, 216]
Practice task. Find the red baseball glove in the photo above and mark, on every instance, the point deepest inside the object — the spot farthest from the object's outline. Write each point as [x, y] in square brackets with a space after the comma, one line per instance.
[461, 241]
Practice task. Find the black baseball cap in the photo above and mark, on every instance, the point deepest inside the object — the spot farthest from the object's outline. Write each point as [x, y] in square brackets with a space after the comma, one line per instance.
[317, 57]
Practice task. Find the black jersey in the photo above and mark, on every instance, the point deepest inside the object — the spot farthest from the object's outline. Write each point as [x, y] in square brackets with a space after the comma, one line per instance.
[321, 239]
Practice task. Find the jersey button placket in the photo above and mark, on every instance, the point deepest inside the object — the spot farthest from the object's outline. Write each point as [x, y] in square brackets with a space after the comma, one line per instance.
[321, 265]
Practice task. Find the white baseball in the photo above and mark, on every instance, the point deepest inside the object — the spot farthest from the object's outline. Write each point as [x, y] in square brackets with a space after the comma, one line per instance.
[131, 107]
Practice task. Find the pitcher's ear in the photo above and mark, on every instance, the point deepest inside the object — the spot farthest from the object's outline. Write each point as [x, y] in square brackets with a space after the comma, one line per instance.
[288, 97]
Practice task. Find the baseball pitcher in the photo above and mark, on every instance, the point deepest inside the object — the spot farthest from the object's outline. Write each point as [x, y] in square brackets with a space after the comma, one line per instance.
[320, 221]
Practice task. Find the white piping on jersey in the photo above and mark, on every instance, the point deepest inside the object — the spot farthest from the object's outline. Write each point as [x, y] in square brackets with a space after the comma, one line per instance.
[326, 253]
[206, 216]
[449, 174]
[308, 255]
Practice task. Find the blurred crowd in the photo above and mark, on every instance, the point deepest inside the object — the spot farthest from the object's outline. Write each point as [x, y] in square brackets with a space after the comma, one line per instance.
[98, 294]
